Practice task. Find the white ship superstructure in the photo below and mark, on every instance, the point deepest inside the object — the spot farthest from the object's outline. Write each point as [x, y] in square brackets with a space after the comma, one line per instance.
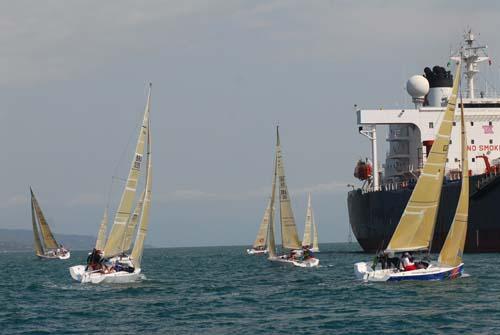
[412, 130]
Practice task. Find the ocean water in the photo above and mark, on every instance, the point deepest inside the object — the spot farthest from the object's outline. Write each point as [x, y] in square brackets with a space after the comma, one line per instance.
[221, 290]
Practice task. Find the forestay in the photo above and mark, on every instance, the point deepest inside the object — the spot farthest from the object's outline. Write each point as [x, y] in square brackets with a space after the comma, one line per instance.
[416, 226]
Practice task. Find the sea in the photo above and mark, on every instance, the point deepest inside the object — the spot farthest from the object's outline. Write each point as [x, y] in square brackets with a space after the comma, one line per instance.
[221, 290]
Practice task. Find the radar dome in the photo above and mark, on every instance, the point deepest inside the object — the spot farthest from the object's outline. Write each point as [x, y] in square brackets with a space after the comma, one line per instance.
[417, 86]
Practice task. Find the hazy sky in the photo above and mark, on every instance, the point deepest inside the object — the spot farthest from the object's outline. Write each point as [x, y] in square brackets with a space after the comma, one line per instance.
[73, 81]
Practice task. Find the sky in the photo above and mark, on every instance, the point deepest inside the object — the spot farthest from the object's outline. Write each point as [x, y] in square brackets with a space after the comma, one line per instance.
[73, 85]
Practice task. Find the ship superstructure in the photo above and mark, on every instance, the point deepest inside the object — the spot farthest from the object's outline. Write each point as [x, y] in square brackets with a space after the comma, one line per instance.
[376, 207]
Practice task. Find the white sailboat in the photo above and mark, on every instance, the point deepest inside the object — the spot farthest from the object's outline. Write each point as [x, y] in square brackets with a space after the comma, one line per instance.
[46, 246]
[112, 261]
[416, 227]
[297, 255]
[310, 229]
[259, 245]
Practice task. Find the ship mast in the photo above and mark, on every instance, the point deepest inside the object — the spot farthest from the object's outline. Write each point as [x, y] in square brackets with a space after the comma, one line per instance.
[471, 55]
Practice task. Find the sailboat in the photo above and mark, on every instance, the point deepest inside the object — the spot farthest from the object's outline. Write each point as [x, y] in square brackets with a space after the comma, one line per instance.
[46, 246]
[310, 228]
[297, 255]
[416, 227]
[111, 261]
[259, 245]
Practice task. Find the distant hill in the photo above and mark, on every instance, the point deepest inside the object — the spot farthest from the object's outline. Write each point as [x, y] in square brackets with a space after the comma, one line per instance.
[22, 240]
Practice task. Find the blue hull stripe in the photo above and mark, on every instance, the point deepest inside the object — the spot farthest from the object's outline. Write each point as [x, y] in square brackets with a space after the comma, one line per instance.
[450, 274]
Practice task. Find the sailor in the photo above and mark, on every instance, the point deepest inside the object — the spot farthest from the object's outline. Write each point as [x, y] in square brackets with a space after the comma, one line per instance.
[392, 260]
[382, 259]
[408, 263]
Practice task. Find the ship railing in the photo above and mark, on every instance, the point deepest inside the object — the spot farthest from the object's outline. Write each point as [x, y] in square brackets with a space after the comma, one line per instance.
[393, 186]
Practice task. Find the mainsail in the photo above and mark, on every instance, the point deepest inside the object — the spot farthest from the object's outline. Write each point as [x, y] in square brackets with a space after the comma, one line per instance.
[101, 235]
[49, 242]
[144, 217]
[315, 235]
[260, 240]
[132, 224]
[416, 226]
[453, 248]
[306, 241]
[289, 236]
[271, 242]
[38, 243]
[115, 240]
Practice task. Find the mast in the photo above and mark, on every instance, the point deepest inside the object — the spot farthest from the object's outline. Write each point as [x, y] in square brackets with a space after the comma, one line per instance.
[471, 55]
[36, 236]
[138, 249]
[115, 240]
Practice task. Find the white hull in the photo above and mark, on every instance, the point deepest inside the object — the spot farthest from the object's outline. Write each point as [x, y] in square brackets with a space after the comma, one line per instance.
[256, 252]
[363, 271]
[309, 263]
[65, 256]
[79, 274]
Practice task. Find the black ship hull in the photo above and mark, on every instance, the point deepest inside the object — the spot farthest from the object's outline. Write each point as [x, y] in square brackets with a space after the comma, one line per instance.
[374, 215]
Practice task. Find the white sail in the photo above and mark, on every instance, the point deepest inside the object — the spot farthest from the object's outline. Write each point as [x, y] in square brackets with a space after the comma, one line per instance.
[306, 240]
[115, 240]
[144, 217]
[132, 224]
[36, 236]
[101, 235]
[289, 236]
[271, 241]
[261, 239]
[315, 235]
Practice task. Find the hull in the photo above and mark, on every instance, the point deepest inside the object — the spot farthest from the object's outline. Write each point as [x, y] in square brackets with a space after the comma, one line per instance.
[79, 274]
[65, 256]
[373, 216]
[363, 271]
[256, 252]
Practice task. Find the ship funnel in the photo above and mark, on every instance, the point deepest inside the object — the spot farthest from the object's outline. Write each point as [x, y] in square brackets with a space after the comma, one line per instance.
[441, 83]
[418, 87]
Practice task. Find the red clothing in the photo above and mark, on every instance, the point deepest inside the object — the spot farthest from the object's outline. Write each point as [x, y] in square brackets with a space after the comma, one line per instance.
[410, 267]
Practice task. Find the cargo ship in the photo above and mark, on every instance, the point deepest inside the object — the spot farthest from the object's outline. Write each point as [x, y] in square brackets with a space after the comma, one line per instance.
[377, 205]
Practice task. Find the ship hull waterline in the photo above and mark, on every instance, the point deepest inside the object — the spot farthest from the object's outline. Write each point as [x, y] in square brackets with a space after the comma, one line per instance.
[373, 216]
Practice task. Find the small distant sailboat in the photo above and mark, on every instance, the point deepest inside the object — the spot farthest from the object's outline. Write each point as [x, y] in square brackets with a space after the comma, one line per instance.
[416, 227]
[310, 228]
[46, 247]
[111, 261]
[259, 246]
[297, 256]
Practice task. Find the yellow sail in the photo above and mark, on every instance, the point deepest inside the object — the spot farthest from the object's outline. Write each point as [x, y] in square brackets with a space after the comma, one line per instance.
[101, 236]
[315, 235]
[38, 243]
[49, 242]
[306, 241]
[132, 224]
[289, 236]
[144, 217]
[260, 240]
[115, 240]
[271, 242]
[453, 248]
[416, 226]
